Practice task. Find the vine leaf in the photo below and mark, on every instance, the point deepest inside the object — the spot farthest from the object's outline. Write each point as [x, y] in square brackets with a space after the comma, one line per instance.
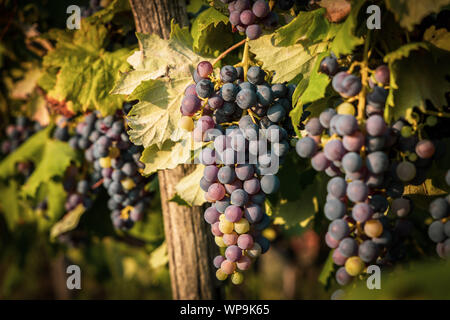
[56, 157]
[409, 13]
[84, 71]
[414, 80]
[188, 189]
[68, 222]
[9, 203]
[286, 62]
[160, 74]
[346, 40]
[167, 157]
[307, 27]
[210, 32]
[440, 37]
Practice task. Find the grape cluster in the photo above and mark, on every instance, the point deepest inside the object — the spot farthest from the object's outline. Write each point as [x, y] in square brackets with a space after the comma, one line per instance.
[242, 123]
[116, 166]
[367, 177]
[17, 133]
[439, 229]
[247, 15]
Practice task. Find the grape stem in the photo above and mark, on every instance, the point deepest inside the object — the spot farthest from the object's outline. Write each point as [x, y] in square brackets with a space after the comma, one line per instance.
[97, 184]
[364, 78]
[437, 113]
[245, 59]
[224, 54]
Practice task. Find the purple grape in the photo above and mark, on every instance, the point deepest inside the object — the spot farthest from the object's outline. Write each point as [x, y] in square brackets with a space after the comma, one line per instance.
[211, 215]
[357, 191]
[233, 253]
[233, 213]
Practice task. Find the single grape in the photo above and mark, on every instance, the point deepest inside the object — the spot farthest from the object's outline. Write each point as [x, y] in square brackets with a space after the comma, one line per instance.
[246, 99]
[276, 113]
[376, 126]
[357, 191]
[348, 247]
[352, 162]
[319, 161]
[354, 266]
[342, 277]
[264, 96]
[353, 142]
[226, 175]
[330, 241]
[338, 229]
[252, 186]
[204, 88]
[211, 215]
[406, 171]
[204, 69]
[362, 212]
[216, 191]
[334, 150]
[439, 208]
[368, 251]
[337, 187]
[346, 125]
[401, 207]
[270, 184]
[425, 149]
[334, 209]
[228, 74]
[436, 231]
[253, 213]
[255, 75]
[382, 74]
[377, 162]
[239, 197]
[218, 261]
[373, 228]
[222, 205]
[325, 117]
[329, 66]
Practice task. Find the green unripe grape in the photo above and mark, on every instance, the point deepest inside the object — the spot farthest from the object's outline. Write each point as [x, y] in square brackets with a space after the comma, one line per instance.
[221, 275]
[242, 226]
[105, 162]
[186, 123]
[412, 157]
[354, 266]
[128, 184]
[346, 108]
[219, 242]
[406, 132]
[431, 121]
[237, 278]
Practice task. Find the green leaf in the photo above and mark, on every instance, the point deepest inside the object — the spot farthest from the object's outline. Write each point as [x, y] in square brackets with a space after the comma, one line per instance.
[346, 39]
[404, 51]
[86, 71]
[286, 62]
[189, 189]
[9, 203]
[159, 58]
[107, 14]
[317, 84]
[159, 257]
[56, 157]
[168, 157]
[210, 31]
[154, 119]
[409, 13]
[327, 270]
[308, 26]
[421, 280]
[440, 38]
[68, 222]
[30, 150]
[297, 207]
[417, 75]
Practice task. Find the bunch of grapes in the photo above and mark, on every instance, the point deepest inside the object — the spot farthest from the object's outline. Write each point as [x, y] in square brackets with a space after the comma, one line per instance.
[439, 229]
[116, 166]
[362, 157]
[247, 15]
[17, 133]
[241, 123]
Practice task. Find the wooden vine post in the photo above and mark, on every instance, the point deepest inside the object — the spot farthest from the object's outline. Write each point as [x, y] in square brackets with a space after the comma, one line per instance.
[190, 246]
